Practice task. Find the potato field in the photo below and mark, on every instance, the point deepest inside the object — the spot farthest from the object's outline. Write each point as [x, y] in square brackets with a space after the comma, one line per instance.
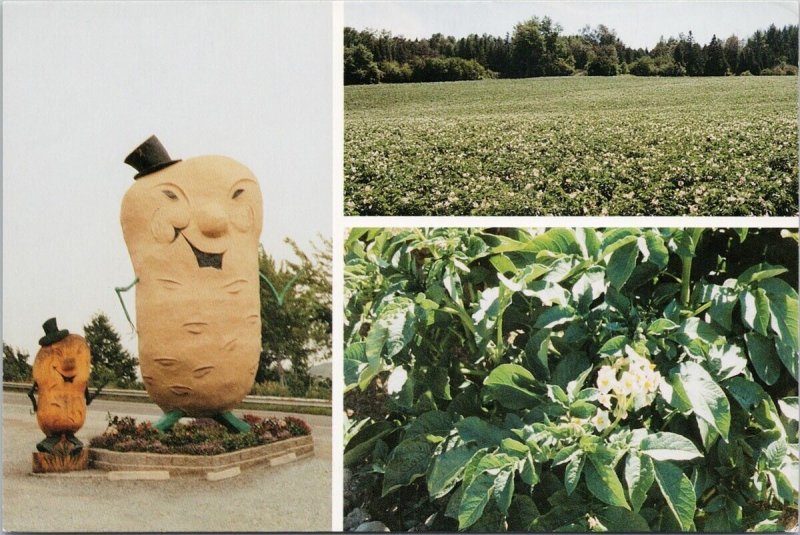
[573, 146]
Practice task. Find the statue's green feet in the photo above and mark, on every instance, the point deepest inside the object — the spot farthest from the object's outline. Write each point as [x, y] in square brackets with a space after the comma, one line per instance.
[169, 419]
[78, 445]
[232, 423]
[47, 445]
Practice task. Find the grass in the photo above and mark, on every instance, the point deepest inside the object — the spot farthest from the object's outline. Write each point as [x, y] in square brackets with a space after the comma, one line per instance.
[573, 146]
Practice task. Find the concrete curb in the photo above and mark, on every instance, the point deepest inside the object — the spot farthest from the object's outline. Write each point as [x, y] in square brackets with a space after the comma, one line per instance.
[275, 454]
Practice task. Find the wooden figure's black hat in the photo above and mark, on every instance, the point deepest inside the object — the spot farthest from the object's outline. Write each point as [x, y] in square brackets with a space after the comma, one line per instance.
[51, 333]
[149, 157]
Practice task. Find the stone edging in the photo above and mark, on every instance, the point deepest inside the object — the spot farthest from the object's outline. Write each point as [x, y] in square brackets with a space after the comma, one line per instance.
[275, 454]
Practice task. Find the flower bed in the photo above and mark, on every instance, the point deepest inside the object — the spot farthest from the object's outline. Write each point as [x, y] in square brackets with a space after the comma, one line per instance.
[202, 436]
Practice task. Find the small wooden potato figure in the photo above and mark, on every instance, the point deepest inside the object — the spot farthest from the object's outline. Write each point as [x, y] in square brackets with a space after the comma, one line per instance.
[61, 376]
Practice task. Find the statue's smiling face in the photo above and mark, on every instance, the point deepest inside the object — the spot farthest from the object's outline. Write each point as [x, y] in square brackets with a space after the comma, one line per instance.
[201, 209]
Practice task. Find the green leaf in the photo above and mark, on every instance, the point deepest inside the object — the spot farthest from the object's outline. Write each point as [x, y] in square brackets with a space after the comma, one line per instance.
[511, 385]
[548, 293]
[392, 330]
[661, 325]
[706, 397]
[470, 470]
[556, 240]
[484, 434]
[446, 470]
[564, 454]
[515, 448]
[437, 423]
[754, 306]
[589, 287]
[582, 409]
[668, 446]
[722, 307]
[658, 253]
[602, 481]
[639, 476]
[452, 282]
[527, 472]
[503, 490]
[726, 360]
[760, 272]
[474, 500]
[554, 316]
[619, 520]
[621, 264]
[355, 360]
[613, 345]
[572, 474]
[782, 487]
[686, 241]
[788, 356]
[408, 461]
[783, 309]
[678, 492]
[789, 407]
[363, 442]
[615, 238]
[775, 453]
[536, 350]
[454, 503]
[763, 356]
[522, 512]
[747, 393]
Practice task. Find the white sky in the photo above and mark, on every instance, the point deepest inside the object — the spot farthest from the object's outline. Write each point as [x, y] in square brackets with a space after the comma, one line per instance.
[638, 24]
[85, 83]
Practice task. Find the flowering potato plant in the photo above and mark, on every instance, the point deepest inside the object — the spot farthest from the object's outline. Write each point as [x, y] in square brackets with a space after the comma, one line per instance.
[573, 380]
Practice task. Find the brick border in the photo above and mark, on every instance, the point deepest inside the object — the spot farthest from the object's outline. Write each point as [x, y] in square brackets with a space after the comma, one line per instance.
[274, 454]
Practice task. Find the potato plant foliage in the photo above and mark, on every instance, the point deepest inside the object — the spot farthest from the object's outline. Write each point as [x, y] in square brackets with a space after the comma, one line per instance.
[581, 380]
[573, 146]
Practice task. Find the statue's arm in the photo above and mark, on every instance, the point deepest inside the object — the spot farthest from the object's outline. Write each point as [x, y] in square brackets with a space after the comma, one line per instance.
[32, 397]
[119, 290]
[90, 397]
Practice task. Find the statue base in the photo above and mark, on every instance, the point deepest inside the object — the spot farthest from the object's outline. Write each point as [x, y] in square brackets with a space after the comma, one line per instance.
[65, 457]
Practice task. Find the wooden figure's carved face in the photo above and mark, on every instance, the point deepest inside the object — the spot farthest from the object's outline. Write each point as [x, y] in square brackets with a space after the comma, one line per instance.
[61, 371]
[192, 230]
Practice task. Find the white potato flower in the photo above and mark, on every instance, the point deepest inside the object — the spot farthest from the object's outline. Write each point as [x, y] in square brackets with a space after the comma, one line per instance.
[605, 400]
[606, 379]
[627, 384]
[600, 420]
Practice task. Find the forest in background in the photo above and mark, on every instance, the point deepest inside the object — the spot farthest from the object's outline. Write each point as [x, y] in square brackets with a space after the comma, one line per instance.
[537, 47]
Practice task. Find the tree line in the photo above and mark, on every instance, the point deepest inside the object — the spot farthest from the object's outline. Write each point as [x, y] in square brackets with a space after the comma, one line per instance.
[537, 47]
[296, 325]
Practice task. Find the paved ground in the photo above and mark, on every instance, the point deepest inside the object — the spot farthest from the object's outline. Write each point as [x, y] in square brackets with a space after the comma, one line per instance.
[294, 497]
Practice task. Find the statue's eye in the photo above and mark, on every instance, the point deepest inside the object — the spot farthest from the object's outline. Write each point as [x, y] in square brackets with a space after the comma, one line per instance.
[237, 193]
[170, 194]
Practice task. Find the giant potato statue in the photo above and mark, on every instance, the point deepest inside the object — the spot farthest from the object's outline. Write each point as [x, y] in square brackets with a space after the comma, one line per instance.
[61, 376]
[192, 229]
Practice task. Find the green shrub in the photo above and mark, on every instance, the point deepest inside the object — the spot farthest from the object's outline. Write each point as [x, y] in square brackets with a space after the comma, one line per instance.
[573, 380]
[393, 72]
[270, 388]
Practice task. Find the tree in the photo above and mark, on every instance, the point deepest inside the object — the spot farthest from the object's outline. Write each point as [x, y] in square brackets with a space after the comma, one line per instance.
[296, 317]
[716, 64]
[605, 62]
[110, 361]
[731, 51]
[359, 66]
[15, 364]
[528, 49]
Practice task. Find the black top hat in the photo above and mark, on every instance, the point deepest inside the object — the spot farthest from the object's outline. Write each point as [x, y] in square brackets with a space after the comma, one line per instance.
[51, 333]
[149, 157]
